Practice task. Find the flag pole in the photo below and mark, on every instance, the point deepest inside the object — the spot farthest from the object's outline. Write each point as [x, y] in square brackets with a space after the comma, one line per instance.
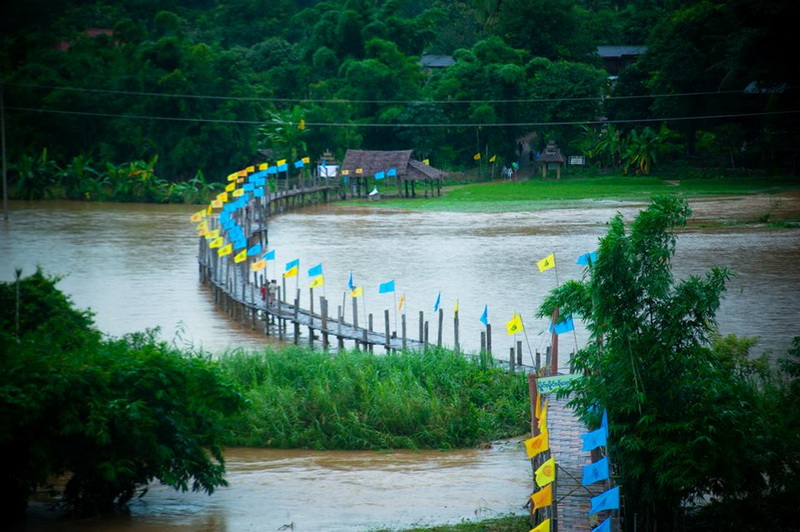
[555, 267]
[395, 311]
[530, 351]
[364, 304]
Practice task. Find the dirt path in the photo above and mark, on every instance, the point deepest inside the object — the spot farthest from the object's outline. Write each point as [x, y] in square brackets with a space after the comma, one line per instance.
[757, 208]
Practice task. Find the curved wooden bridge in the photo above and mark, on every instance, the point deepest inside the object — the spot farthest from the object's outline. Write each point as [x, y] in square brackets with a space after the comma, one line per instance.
[239, 292]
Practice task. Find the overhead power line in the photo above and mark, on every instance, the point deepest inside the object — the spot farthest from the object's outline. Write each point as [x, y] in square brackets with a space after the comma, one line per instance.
[436, 124]
[347, 101]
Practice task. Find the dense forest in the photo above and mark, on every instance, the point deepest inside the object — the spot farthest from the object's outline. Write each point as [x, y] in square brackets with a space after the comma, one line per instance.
[203, 85]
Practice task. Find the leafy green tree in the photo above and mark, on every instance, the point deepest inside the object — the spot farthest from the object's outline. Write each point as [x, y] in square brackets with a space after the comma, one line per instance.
[110, 415]
[680, 419]
[555, 29]
[283, 133]
[580, 85]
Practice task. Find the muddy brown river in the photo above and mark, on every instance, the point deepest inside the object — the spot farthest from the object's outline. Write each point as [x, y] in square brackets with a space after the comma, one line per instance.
[135, 266]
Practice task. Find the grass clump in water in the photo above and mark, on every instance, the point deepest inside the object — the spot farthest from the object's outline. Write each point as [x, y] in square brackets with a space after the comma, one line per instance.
[353, 400]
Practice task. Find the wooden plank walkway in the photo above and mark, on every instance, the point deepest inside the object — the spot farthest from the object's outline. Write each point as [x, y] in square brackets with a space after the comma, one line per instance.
[282, 313]
[566, 444]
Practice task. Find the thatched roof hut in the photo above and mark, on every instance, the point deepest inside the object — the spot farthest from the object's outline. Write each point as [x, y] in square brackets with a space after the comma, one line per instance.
[551, 159]
[361, 165]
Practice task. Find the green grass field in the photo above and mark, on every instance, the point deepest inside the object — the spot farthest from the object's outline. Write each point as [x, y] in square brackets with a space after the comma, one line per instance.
[502, 196]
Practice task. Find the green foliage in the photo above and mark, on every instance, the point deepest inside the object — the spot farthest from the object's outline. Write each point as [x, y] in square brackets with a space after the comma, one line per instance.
[353, 400]
[682, 415]
[109, 415]
[190, 82]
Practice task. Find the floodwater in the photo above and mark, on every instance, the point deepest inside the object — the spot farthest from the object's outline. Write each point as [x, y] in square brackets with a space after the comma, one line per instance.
[330, 491]
[136, 267]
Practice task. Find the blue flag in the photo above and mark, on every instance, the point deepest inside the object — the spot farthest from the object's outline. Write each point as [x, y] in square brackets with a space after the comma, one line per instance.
[594, 439]
[272, 170]
[587, 258]
[391, 172]
[255, 250]
[258, 193]
[316, 270]
[380, 175]
[292, 263]
[350, 283]
[605, 526]
[299, 164]
[240, 244]
[438, 302]
[485, 316]
[595, 472]
[248, 187]
[386, 288]
[270, 255]
[563, 327]
[608, 500]
[604, 422]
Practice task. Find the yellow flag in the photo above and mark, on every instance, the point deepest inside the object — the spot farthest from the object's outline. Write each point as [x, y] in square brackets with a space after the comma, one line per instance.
[208, 211]
[240, 257]
[216, 243]
[537, 409]
[537, 444]
[543, 497]
[240, 174]
[282, 161]
[216, 204]
[250, 169]
[358, 291]
[233, 176]
[258, 265]
[196, 217]
[493, 158]
[402, 300]
[225, 250]
[319, 280]
[455, 310]
[515, 325]
[477, 156]
[543, 417]
[544, 526]
[302, 124]
[202, 225]
[238, 192]
[359, 170]
[202, 232]
[426, 162]
[222, 196]
[345, 172]
[547, 262]
[546, 472]
[230, 187]
[291, 272]
[263, 166]
[212, 234]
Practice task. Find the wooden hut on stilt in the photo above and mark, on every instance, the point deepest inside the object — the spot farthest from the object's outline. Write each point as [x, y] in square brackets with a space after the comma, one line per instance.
[361, 166]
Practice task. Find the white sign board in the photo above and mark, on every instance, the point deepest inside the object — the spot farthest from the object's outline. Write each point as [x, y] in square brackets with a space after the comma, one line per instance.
[328, 170]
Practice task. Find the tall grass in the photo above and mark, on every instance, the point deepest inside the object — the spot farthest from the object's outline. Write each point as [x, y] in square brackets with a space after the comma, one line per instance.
[354, 400]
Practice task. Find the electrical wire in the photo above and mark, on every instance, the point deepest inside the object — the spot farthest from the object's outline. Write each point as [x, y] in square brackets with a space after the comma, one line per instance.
[346, 101]
[410, 126]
